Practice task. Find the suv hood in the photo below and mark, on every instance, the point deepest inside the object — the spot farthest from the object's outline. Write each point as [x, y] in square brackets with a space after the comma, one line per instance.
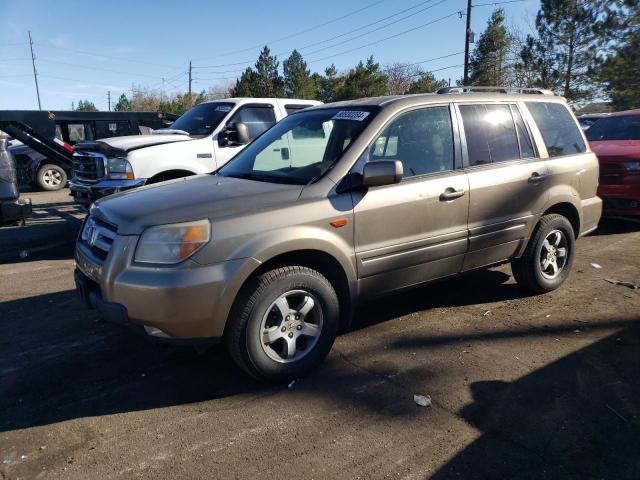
[188, 199]
[133, 142]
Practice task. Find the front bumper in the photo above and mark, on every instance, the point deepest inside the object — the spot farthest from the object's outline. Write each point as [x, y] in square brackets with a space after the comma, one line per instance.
[621, 200]
[86, 193]
[185, 303]
[12, 211]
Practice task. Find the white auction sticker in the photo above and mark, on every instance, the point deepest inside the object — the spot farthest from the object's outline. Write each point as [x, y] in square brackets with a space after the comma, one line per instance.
[356, 115]
[223, 108]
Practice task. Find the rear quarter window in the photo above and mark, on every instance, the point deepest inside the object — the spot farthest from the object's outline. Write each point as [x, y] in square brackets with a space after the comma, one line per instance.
[559, 130]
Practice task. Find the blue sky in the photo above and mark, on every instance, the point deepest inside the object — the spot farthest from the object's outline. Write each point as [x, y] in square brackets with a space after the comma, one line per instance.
[86, 48]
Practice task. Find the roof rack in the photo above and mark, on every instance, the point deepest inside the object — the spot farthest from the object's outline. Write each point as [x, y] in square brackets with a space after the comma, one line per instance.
[471, 89]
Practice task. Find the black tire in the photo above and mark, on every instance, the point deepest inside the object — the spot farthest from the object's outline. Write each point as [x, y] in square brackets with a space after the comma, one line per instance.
[243, 336]
[528, 270]
[51, 177]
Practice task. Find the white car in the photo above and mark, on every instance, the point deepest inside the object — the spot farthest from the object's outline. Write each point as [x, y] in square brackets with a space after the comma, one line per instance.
[200, 141]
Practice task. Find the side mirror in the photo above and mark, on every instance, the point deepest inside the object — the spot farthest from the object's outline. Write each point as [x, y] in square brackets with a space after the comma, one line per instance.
[382, 172]
[234, 134]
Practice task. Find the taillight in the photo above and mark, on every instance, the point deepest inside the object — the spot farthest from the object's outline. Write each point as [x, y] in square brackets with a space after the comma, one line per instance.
[64, 145]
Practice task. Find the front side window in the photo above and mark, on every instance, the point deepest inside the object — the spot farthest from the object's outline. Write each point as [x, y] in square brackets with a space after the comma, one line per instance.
[257, 119]
[559, 131]
[202, 119]
[421, 139]
[625, 127]
[490, 133]
[301, 147]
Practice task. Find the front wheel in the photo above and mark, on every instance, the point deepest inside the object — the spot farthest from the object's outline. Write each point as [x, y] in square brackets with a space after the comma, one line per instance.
[547, 260]
[283, 324]
[51, 177]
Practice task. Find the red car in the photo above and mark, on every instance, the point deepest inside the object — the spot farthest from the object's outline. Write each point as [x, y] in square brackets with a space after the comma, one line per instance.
[616, 141]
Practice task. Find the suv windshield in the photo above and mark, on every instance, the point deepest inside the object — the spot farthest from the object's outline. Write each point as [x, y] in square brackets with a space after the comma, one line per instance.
[615, 128]
[300, 148]
[202, 119]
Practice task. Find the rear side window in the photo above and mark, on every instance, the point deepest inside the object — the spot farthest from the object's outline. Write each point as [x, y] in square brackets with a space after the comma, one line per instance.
[490, 133]
[559, 130]
[526, 145]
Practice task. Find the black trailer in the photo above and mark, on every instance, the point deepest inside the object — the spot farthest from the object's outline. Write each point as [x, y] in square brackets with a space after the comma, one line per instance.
[48, 138]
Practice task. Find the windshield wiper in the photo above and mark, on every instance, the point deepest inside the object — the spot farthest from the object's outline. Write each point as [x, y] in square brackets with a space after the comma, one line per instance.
[170, 131]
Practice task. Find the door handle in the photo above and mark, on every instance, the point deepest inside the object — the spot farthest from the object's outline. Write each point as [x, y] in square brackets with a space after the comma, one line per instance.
[451, 194]
[537, 177]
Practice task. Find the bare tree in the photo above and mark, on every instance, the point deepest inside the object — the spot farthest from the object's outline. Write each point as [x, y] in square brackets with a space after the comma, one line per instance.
[400, 77]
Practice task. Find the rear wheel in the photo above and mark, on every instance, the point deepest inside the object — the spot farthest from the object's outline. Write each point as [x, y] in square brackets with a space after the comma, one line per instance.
[547, 260]
[51, 177]
[283, 324]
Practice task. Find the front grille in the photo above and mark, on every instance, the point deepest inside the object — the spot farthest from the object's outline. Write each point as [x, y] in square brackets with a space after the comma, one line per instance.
[89, 166]
[98, 236]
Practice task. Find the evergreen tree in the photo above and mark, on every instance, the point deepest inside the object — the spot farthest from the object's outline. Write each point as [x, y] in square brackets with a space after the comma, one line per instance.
[366, 80]
[564, 54]
[123, 105]
[86, 106]
[620, 71]
[426, 83]
[487, 64]
[261, 81]
[328, 85]
[298, 82]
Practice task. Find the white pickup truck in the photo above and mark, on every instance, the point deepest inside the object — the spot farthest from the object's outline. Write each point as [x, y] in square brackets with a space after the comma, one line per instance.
[200, 141]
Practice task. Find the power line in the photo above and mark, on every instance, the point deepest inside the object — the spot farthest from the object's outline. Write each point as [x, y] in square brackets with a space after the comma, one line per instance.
[301, 32]
[375, 29]
[384, 39]
[248, 62]
[76, 65]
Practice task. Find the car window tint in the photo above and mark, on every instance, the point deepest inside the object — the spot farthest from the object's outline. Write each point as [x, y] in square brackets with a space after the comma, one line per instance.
[295, 108]
[257, 119]
[559, 131]
[526, 145]
[421, 139]
[625, 127]
[490, 133]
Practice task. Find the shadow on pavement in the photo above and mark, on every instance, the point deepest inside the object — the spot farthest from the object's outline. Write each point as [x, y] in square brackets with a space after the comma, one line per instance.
[578, 417]
[616, 226]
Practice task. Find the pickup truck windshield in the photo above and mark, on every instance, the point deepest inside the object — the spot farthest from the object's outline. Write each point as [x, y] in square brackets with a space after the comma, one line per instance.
[300, 148]
[625, 127]
[202, 119]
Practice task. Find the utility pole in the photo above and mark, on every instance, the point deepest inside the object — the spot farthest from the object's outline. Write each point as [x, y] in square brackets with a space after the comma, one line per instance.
[109, 98]
[467, 40]
[35, 73]
[189, 80]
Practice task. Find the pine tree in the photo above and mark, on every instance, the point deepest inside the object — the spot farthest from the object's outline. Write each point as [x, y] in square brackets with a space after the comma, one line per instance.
[328, 84]
[298, 82]
[123, 105]
[620, 71]
[366, 80]
[246, 85]
[487, 65]
[569, 35]
[426, 83]
[269, 81]
[86, 106]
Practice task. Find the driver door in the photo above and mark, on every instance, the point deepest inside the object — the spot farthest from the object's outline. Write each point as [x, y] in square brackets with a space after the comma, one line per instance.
[257, 118]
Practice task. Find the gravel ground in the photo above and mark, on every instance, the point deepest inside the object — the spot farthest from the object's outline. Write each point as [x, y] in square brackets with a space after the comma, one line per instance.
[522, 387]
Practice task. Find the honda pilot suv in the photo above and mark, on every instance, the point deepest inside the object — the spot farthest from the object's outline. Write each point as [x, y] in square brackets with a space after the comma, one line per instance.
[271, 253]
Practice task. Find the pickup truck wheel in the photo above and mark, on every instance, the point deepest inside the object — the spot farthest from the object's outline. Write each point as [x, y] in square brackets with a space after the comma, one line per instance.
[283, 324]
[51, 177]
[547, 260]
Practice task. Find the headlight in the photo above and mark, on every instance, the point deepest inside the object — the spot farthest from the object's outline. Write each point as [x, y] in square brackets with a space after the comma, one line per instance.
[172, 243]
[119, 169]
[632, 167]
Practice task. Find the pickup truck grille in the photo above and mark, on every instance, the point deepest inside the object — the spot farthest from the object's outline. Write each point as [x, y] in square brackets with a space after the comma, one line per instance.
[89, 166]
[98, 236]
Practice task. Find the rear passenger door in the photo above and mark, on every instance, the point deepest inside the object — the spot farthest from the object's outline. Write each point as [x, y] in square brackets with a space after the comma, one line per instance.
[507, 181]
[416, 230]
